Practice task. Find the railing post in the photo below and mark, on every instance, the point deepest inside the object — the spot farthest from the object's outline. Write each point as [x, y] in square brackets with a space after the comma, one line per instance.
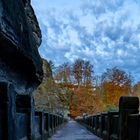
[38, 126]
[42, 126]
[57, 121]
[53, 123]
[99, 129]
[49, 124]
[44, 137]
[94, 123]
[127, 106]
[103, 122]
[8, 109]
[133, 127]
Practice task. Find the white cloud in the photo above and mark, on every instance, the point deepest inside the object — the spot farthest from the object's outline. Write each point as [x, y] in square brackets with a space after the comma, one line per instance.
[106, 32]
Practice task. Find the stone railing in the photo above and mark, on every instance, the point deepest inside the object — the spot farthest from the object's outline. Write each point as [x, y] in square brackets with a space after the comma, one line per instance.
[118, 125]
[38, 127]
[20, 121]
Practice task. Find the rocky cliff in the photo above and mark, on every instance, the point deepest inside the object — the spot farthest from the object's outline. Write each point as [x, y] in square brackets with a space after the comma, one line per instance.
[20, 36]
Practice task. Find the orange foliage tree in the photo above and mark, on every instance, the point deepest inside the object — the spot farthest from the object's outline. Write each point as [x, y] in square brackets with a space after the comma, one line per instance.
[114, 83]
[85, 100]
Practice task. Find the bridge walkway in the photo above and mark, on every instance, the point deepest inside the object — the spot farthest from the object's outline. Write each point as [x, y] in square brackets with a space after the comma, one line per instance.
[73, 131]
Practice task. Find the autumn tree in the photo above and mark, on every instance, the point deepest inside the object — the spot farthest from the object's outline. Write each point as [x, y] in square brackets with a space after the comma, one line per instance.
[83, 72]
[87, 73]
[136, 89]
[78, 70]
[47, 70]
[50, 95]
[115, 83]
[84, 100]
[63, 73]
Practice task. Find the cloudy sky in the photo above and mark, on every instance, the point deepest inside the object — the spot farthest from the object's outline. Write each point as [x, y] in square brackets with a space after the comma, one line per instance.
[106, 32]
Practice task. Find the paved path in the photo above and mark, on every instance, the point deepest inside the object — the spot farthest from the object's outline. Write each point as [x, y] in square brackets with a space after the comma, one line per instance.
[73, 131]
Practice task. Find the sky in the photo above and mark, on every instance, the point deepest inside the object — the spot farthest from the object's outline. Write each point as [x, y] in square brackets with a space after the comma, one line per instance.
[105, 32]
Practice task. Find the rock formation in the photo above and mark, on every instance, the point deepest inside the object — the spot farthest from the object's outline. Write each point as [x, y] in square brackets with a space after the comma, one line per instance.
[20, 69]
[20, 36]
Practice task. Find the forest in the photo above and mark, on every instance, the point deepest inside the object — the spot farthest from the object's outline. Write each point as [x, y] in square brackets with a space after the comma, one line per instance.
[75, 89]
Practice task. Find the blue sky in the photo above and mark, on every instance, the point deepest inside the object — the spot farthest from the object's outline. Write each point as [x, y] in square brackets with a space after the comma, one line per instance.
[106, 32]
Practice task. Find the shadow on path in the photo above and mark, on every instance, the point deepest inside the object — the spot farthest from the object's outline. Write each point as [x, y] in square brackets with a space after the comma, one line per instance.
[73, 131]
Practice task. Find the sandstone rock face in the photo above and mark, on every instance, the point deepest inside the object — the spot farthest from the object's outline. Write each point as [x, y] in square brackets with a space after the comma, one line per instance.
[32, 20]
[20, 69]
[47, 71]
[20, 36]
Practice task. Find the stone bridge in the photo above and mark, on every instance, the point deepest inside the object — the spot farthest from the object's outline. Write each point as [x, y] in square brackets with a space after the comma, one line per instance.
[21, 73]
